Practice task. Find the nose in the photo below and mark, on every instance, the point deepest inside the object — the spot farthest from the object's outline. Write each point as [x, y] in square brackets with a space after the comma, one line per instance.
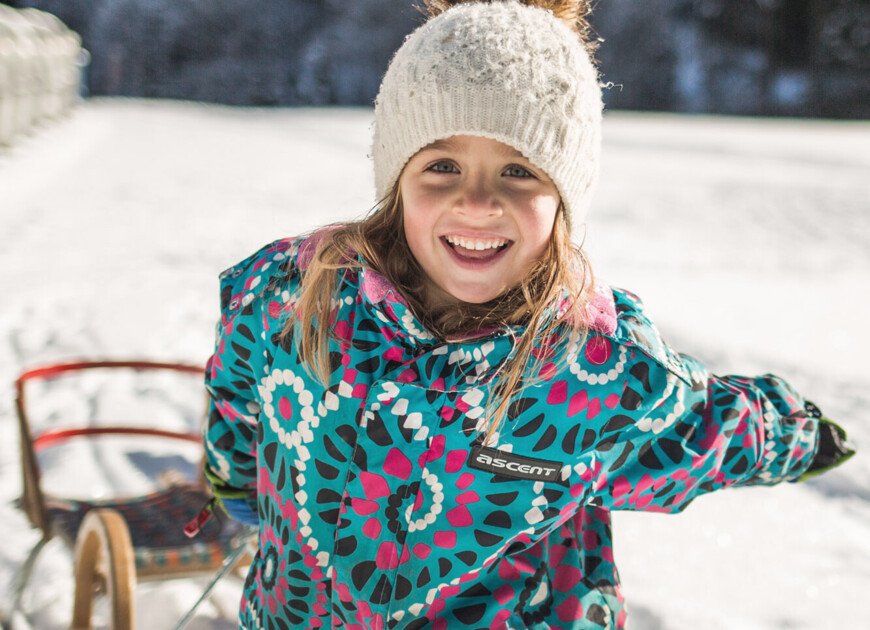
[478, 199]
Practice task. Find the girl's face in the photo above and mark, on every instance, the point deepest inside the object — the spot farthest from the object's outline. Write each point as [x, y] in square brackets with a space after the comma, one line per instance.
[477, 216]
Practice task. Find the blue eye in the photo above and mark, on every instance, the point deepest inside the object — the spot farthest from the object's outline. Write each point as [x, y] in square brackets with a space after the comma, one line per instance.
[443, 167]
[517, 171]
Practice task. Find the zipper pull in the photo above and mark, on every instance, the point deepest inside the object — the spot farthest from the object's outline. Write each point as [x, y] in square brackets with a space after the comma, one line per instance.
[198, 522]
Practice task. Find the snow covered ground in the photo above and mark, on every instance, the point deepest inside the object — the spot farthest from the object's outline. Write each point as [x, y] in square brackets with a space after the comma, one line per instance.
[749, 241]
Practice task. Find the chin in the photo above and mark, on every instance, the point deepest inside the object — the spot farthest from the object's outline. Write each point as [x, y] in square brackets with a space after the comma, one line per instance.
[473, 295]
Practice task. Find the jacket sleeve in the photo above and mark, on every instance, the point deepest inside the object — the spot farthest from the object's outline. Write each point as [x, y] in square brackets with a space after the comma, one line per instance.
[240, 359]
[230, 434]
[703, 433]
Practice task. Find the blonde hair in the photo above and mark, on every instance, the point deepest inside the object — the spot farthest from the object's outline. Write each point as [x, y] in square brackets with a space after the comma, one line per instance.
[561, 279]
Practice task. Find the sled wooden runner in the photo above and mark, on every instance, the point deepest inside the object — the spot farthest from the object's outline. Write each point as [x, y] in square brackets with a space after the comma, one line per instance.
[104, 562]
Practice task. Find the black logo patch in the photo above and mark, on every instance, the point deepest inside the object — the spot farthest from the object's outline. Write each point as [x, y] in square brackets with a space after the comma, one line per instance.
[516, 466]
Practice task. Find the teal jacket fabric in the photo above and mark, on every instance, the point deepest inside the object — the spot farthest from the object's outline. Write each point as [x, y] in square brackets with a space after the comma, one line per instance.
[380, 507]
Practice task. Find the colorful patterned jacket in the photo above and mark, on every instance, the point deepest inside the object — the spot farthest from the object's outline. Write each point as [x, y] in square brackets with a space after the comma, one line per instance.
[378, 506]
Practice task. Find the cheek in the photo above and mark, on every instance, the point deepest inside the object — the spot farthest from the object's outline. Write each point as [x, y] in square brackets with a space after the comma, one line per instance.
[538, 226]
[411, 232]
[421, 207]
[416, 225]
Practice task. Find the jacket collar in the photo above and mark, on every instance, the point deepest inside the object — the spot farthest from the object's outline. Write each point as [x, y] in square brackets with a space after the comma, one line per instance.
[386, 300]
[388, 305]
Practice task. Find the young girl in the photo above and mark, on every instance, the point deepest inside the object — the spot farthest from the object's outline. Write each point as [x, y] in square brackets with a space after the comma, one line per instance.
[430, 413]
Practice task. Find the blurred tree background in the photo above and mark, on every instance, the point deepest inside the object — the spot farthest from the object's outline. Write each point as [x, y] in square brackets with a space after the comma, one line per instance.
[746, 57]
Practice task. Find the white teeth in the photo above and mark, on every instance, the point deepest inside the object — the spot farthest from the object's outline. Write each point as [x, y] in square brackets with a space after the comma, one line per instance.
[475, 243]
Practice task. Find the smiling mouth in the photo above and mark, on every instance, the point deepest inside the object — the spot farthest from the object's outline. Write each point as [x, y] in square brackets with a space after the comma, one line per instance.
[476, 249]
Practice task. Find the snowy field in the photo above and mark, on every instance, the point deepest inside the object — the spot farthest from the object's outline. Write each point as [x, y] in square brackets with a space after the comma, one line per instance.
[748, 240]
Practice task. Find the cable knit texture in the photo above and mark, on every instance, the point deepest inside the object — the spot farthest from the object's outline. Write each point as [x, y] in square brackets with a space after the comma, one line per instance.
[502, 70]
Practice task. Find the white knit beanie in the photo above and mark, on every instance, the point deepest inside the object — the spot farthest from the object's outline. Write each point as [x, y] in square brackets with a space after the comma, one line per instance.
[501, 70]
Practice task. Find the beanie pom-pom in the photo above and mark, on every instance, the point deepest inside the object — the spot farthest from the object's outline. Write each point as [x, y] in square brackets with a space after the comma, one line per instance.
[575, 13]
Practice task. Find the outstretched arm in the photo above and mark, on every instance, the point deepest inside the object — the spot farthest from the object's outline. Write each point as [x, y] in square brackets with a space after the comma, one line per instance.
[718, 432]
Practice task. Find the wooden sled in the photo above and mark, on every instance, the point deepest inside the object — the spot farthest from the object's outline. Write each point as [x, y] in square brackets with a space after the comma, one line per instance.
[118, 542]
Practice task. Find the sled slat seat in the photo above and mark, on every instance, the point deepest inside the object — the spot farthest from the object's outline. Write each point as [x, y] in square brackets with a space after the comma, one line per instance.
[159, 544]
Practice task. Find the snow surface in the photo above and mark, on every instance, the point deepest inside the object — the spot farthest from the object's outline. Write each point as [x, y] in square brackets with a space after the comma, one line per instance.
[749, 241]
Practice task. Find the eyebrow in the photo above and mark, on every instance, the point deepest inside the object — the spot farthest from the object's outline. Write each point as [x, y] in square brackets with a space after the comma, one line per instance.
[446, 145]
